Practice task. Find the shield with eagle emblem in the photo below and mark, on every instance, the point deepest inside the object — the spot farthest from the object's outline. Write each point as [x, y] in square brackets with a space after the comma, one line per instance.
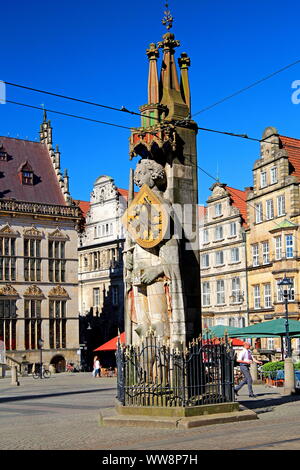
[146, 219]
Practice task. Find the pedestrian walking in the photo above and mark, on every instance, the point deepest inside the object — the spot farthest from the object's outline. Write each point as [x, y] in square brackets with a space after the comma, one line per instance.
[245, 358]
[97, 367]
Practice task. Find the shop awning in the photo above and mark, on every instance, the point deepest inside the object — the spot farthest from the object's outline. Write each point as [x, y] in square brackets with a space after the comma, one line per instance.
[111, 345]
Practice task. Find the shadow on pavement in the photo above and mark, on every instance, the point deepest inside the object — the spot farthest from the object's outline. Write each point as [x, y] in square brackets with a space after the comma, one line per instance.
[263, 401]
[48, 395]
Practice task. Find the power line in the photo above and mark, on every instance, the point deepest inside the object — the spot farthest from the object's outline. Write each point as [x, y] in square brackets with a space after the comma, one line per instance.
[71, 98]
[238, 92]
[67, 114]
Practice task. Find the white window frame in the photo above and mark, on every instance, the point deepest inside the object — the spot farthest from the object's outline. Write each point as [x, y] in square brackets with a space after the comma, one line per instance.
[263, 179]
[273, 175]
[267, 295]
[205, 294]
[269, 209]
[235, 255]
[278, 247]
[219, 235]
[205, 236]
[236, 290]
[218, 209]
[205, 260]
[233, 230]
[219, 258]
[265, 252]
[255, 254]
[220, 292]
[96, 297]
[280, 205]
[289, 246]
[258, 213]
[256, 296]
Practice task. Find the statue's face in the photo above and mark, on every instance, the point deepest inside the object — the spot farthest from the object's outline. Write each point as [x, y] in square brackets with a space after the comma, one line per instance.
[143, 175]
[149, 174]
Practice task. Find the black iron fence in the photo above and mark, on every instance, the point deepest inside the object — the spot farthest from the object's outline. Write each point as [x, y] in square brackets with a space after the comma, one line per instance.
[154, 374]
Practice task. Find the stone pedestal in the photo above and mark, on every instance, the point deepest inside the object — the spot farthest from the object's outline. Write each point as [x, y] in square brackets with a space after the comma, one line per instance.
[14, 376]
[289, 377]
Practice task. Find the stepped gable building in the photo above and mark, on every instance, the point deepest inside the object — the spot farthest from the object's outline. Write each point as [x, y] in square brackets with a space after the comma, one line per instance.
[223, 257]
[101, 289]
[38, 252]
[273, 243]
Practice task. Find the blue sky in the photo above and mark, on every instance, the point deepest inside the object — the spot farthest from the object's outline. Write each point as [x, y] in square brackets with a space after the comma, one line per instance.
[96, 51]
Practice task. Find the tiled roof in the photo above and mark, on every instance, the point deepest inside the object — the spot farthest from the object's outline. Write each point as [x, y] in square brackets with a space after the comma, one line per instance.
[239, 200]
[45, 188]
[84, 206]
[292, 146]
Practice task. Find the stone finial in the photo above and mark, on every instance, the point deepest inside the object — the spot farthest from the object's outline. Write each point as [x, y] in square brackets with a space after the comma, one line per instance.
[152, 52]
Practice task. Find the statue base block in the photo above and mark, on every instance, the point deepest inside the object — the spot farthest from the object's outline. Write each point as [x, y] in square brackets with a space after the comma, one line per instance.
[178, 417]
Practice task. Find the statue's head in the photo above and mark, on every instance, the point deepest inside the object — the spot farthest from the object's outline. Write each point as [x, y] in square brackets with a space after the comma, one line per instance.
[151, 173]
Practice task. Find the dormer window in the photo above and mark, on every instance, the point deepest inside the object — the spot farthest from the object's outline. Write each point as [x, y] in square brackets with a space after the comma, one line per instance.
[26, 174]
[3, 154]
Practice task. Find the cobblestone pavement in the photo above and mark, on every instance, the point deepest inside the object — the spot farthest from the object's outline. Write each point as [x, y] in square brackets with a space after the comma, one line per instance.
[62, 413]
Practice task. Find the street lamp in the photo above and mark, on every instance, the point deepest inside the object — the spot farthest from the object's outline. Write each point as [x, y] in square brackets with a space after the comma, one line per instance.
[40, 343]
[285, 288]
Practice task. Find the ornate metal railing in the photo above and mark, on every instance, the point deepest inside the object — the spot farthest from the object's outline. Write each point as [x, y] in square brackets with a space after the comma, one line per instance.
[153, 374]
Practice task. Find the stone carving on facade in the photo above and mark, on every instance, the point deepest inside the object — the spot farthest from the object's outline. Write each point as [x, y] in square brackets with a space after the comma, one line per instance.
[33, 291]
[32, 232]
[58, 291]
[8, 290]
[7, 231]
[58, 235]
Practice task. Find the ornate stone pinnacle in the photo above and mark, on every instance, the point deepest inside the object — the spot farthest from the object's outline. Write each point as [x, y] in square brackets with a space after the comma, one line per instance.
[152, 52]
[169, 42]
[168, 19]
[184, 61]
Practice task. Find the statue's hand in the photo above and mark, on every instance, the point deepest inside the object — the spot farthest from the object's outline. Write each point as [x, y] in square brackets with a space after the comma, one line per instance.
[151, 274]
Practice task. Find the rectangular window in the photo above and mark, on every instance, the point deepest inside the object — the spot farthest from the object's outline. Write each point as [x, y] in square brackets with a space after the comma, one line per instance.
[278, 247]
[273, 175]
[8, 323]
[280, 205]
[219, 258]
[115, 295]
[235, 255]
[32, 259]
[258, 213]
[263, 179]
[205, 260]
[256, 296]
[289, 246]
[218, 209]
[233, 229]
[220, 292]
[8, 259]
[96, 297]
[205, 294]
[269, 209]
[235, 290]
[255, 255]
[265, 252]
[219, 233]
[32, 324]
[205, 236]
[267, 295]
[56, 262]
[57, 324]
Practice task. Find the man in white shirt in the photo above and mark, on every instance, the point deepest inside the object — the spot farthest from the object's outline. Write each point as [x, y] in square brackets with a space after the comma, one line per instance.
[245, 358]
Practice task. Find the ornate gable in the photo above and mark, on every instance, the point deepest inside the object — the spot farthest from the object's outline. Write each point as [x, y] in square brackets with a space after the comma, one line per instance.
[9, 291]
[33, 291]
[32, 232]
[58, 291]
[7, 231]
[58, 235]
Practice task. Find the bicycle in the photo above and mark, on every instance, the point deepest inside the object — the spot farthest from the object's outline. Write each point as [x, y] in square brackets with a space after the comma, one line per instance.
[46, 374]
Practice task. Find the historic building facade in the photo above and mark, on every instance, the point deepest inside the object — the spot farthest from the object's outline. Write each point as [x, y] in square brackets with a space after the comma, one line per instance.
[273, 230]
[38, 253]
[101, 289]
[224, 294]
